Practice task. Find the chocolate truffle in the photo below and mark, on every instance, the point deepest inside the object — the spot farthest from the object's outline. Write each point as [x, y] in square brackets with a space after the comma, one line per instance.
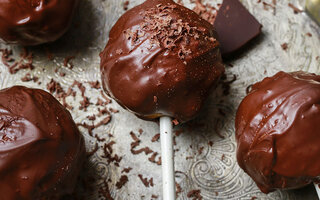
[41, 149]
[278, 131]
[33, 22]
[161, 59]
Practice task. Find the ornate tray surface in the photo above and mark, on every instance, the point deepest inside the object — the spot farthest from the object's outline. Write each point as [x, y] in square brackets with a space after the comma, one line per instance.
[205, 147]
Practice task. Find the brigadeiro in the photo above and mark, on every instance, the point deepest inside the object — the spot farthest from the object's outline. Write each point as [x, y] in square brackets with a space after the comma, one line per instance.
[33, 22]
[161, 59]
[41, 149]
[278, 131]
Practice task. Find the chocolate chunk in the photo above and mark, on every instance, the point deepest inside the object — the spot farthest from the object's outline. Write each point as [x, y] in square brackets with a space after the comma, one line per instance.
[235, 27]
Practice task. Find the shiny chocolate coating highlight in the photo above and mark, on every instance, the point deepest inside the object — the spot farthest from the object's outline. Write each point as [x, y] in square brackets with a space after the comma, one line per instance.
[41, 149]
[33, 22]
[161, 59]
[278, 131]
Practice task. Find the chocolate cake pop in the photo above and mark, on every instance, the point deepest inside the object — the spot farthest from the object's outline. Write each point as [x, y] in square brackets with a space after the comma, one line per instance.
[33, 22]
[161, 59]
[41, 149]
[278, 131]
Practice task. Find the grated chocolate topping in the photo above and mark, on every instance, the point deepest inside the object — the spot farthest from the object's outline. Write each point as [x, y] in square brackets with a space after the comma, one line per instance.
[166, 32]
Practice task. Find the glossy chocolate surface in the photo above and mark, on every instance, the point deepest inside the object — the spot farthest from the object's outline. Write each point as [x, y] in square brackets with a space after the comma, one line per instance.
[278, 131]
[161, 59]
[41, 149]
[32, 22]
[235, 27]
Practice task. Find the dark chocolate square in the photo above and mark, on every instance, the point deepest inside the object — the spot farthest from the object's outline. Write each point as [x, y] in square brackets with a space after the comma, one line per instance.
[235, 27]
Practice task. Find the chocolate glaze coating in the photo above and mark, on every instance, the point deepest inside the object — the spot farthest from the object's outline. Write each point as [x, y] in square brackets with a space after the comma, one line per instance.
[278, 131]
[41, 149]
[33, 22]
[161, 59]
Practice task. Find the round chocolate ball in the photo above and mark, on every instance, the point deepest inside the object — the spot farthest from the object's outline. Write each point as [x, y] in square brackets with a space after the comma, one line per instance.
[33, 22]
[41, 149]
[161, 59]
[278, 131]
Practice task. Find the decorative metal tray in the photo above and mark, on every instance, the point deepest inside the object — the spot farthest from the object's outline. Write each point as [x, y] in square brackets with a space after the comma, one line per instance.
[205, 147]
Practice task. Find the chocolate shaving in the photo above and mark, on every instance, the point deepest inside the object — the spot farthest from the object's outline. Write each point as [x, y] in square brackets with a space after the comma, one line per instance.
[145, 181]
[67, 61]
[90, 128]
[266, 6]
[62, 74]
[91, 118]
[126, 170]
[125, 5]
[103, 111]
[99, 139]
[153, 158]
[136, 143]
[189, 157]
[28, 78]
[179, 189]
[200, 150]
[107, 149]
[194, 194]
[56, 90]
[222, 157]
[123, 180]
[84, 104]
[155, 138]
[113, 110]
[166, 32]
[25, 61]
[206, 12]
[146, 150]
[154, 196]
[309, 34]
[95, 84]
[284, 46]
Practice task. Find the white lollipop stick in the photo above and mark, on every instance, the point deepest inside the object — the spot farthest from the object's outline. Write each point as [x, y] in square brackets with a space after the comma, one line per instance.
[168, 180]
[317, 189]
